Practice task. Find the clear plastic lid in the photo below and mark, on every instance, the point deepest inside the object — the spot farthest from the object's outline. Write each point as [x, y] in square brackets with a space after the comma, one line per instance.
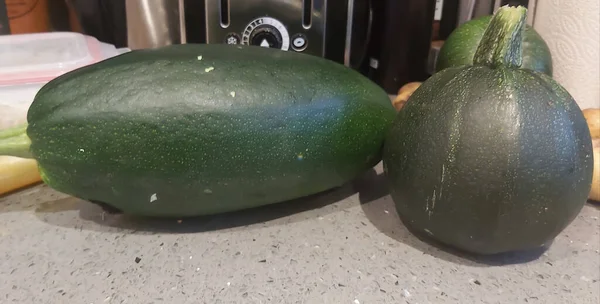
[31, 58]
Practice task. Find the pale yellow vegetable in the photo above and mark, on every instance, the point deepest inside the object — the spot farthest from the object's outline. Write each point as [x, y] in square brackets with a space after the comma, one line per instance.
[404, 94]
[595, 192]
[592, 116]
[16, 173]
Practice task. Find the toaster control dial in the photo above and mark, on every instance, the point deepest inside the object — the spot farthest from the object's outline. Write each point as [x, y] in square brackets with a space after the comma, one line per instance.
[266, 32]
[266, 36]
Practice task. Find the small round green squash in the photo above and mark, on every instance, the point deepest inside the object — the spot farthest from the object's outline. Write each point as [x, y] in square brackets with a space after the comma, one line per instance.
[490, 158]
[462, 43]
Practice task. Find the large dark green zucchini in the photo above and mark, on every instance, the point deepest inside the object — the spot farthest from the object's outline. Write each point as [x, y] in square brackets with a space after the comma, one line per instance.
[190, 130]
[490, 158]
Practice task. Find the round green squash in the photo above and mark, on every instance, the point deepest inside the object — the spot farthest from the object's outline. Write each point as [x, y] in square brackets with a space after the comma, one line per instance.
[490, 158]
[462, 43]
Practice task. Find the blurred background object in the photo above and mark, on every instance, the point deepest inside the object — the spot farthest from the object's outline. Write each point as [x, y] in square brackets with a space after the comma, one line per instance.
[571, 31]
[104, 20]
[404, 94]
[27, 16]
[4, 23]
[154, 23]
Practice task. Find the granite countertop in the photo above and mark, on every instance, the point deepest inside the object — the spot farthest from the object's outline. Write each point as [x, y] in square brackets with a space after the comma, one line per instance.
[343, 246]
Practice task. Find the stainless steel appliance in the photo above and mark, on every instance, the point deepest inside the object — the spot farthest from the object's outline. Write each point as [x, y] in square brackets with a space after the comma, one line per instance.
[154, 23]
[387, 40]
[324, 28]
[287, 25]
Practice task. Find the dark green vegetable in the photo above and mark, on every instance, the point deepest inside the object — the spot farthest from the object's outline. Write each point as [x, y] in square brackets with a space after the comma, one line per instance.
[189, 130]
[462, 43]
[490, 158]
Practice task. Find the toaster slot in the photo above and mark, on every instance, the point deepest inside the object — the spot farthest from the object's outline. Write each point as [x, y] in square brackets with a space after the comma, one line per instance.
[307, 8]
[224, 12]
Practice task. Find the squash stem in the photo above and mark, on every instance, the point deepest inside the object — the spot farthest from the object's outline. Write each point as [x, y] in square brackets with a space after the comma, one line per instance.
[15, 142]
[502, 42]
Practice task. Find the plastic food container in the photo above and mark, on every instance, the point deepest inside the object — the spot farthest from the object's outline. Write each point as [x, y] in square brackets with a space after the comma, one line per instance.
[40, 57]
[27, 62]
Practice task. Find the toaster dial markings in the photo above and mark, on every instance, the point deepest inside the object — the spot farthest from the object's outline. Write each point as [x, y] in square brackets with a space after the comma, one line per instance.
[266, 32]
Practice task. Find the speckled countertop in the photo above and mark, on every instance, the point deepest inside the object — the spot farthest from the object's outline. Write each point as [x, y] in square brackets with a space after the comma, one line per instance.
[345, 246]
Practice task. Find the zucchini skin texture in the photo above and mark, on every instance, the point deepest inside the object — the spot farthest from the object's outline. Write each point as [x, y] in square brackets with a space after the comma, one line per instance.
[189, 130]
